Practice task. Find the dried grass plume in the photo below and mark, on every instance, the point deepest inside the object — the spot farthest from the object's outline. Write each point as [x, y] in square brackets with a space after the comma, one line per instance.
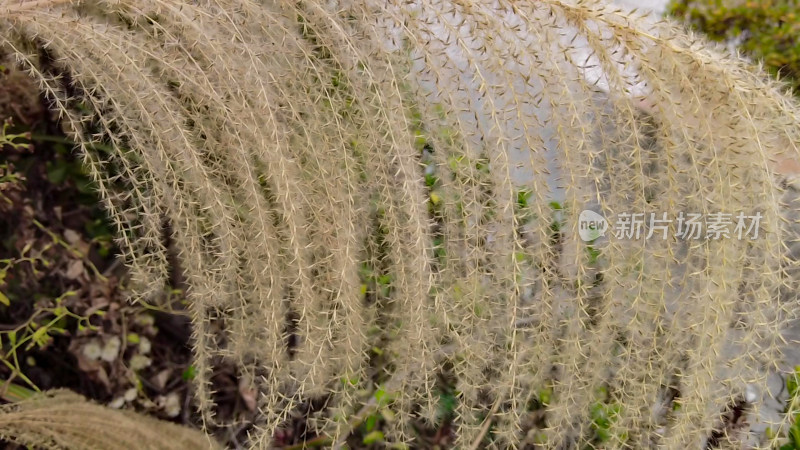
[63, 420]
[388, 192]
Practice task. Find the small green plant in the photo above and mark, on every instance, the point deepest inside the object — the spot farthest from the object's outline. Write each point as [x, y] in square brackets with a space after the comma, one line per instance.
[50, 316]
[38, 331]
[9, 177]
[791, 439]
[19, 141]
[604, 413]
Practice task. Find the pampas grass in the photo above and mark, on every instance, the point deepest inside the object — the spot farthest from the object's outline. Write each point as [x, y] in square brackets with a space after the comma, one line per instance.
[343, 176]
[63, 420]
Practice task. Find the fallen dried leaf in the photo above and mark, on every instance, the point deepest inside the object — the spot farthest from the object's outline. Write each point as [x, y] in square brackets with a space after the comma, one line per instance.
[74, 269]
[111, 349]
[248, 394]
[161, 378]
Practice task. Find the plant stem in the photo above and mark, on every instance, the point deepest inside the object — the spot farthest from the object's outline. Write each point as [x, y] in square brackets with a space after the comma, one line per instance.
[487, 422]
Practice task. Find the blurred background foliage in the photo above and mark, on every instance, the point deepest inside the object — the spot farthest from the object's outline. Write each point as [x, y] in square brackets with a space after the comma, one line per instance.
[766, 30]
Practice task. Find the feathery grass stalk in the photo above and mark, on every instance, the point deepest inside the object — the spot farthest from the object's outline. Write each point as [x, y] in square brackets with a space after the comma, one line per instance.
[61, 419]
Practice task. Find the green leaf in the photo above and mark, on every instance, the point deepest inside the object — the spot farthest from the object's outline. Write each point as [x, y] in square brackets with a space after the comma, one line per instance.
[380, 394]
[793, 382]
[14, 393]
[447, 405]
[523, 198]
[545, 396]
[370, 423]
[57, 172]
[373, 437]
[189, 373]
[4, 299]
[40, 337]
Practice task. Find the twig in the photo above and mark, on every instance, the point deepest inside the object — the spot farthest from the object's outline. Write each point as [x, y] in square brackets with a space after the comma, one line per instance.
[487, 422]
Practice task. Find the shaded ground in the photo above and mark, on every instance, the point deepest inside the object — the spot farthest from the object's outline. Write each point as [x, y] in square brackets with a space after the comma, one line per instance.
[64, 320]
